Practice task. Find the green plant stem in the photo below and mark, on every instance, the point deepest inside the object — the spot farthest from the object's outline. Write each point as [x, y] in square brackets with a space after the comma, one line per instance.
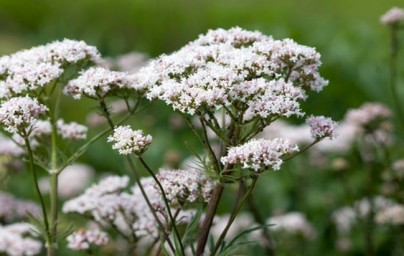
[301, 151]
[234, 214]
[39, 194]
[146, 198]
[393, 74]
[170, 215]
[207, 222]
[206, 143]
[107, 115]
[54, 187]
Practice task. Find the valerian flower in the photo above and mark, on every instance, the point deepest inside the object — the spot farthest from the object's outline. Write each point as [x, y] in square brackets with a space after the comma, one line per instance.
[19, 114]
[392, 16]
[81, 240]
[41, 65]
[128, 141]
[260, 154]
[261, 76]
[321, 127]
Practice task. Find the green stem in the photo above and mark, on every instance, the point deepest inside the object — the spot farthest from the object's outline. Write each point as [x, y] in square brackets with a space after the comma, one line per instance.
[146, 198]
[107, 115]
[233, 216]
[54, 186]
[39, 194]
[172, 219]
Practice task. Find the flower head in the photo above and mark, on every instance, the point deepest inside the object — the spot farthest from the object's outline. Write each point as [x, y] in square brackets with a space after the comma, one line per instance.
[17, 239]
[321, 127]
[81, 240]
[128, 141]
[392, 16]
[236, 67]
[72, 130]
[98, 82]
[260, 154]
[20, 114]
[181, 186]
[39, 66]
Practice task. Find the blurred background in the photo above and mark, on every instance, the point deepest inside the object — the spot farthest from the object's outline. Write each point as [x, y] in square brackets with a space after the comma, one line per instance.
[355, 55]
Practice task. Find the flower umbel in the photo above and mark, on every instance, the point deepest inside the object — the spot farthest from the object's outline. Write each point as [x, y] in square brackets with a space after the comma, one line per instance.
[260, 155]
[392, 16]
[321, 127]
[81, 240]
[128, 141]
[19, 114]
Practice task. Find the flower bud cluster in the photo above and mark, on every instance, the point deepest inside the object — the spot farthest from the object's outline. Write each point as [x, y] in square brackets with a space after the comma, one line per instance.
[81, 240]
[181, 186]
[260, 154]
[128, 141]
[321, 127]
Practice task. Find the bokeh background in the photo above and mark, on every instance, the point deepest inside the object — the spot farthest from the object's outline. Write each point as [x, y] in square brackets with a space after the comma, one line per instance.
[353, 44]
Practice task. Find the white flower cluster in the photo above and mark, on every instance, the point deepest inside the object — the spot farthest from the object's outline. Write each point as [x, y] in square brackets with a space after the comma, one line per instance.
[38, 66]
[182, 186]
[98, 82]
[20, 114]
[253, 72]
[9, 148]
[260, 154]
[293, 223]
[129, 212]
[128, 141]
[95, 199]
[345, 217]
[392, 16]
[16, 209]
[16, 240]
[368, 114]
[71, 181]
[81, 240]
[391, 215]
[72, 130]
[321, 127]
[370, 117]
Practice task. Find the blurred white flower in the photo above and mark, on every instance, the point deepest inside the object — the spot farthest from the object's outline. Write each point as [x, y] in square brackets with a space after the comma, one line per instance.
[18, 239]
[392, 16]
[81, 240]
[294, 223]
[71, 181]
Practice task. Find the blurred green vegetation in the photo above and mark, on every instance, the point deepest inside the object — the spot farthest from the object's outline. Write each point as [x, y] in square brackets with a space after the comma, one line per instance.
[353, 44]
